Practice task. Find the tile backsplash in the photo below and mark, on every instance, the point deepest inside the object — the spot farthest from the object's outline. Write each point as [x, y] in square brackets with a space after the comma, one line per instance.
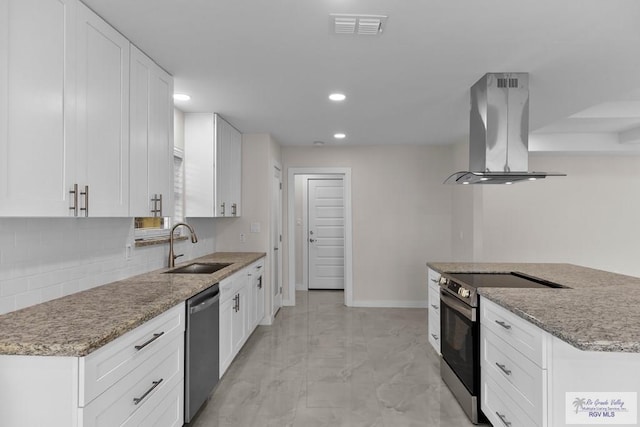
[45, 258]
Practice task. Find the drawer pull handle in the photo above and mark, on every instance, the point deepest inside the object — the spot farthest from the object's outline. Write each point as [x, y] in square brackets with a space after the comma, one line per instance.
[137, 400]
[504, 325]
[503, 368]
[503, 419]
[155, 337]
[435, 337]
[435, 307]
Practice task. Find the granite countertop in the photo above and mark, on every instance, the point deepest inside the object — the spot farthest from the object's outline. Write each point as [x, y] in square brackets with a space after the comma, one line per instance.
[80, 323]
[601, 311]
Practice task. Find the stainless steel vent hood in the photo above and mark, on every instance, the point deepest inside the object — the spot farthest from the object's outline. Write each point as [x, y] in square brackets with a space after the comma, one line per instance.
[499, 132]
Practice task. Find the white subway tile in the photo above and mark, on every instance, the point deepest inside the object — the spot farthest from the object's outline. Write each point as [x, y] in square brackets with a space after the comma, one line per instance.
[27, 299]
[13, 286]
[52, 292]
[7, 304]
[70, 287]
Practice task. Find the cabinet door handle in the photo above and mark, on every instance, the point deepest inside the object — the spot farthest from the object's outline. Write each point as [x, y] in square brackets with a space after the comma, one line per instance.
[137, 400]
[234, 209]
[160, 201]
[503, 419]
[503, 368]
[434, 280]
[435, 307]
[85, 193]
[435, 337]
[504, 325]
[260, 283]
[152, 339]
[223, 207]
[74, 206]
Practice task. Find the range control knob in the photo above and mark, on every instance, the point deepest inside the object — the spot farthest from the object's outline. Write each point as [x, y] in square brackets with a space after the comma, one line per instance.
[464, 293]
[443, 281]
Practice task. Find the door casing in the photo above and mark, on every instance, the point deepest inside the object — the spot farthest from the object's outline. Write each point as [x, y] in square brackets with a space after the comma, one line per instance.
[345, 173]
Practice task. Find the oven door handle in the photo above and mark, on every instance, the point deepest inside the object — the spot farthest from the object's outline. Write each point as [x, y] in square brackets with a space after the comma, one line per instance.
[457, 306]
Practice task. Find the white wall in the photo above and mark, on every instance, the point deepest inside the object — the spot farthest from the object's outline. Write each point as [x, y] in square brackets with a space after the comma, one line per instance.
[45, 258]
[401, 215]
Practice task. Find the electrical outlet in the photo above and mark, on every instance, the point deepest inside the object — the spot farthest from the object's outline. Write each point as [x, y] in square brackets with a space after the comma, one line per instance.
[128, 253]
[243, 238]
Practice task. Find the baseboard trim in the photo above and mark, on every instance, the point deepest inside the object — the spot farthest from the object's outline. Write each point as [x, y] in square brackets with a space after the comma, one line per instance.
[390, 304]
[300, 287]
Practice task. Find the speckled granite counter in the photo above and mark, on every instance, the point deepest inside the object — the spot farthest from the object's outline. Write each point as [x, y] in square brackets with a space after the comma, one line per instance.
[601, 311]
[78, 324]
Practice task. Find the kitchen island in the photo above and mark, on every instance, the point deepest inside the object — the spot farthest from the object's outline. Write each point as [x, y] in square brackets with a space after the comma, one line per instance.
[600, 311]
[556, 357]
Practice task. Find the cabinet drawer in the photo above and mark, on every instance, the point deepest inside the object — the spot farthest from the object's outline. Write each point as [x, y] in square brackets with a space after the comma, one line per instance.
[433, 277]
[149, 383]
[523, 380]
[434, 331]
[104, 367]
[161, 410]
[499, 408]
[528, 339]
[434, 301]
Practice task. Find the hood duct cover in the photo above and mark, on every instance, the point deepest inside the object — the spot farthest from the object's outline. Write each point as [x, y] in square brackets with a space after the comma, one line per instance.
[499, 132]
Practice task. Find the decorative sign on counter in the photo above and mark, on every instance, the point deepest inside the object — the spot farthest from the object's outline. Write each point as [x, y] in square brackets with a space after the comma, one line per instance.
[598, 407]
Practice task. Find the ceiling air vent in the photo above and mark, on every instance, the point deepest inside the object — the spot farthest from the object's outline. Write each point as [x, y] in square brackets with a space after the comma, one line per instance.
[362, 25]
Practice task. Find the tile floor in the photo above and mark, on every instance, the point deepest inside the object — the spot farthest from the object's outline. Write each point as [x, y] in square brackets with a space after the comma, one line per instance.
[323, 364]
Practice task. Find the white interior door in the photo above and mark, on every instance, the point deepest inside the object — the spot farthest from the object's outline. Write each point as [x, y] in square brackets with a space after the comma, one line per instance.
[276, 240]
[325, 233]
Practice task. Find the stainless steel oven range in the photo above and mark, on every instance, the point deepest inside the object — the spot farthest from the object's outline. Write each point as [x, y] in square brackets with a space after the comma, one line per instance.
[460, 331]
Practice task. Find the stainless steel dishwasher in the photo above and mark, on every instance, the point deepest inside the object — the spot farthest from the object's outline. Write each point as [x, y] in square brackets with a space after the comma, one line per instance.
[201, 370]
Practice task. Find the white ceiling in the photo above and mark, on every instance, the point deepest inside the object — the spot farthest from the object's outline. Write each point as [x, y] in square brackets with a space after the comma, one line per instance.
[269, 65]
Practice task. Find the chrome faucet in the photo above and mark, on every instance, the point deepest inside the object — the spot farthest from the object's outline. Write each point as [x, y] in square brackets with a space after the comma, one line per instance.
[194, 239]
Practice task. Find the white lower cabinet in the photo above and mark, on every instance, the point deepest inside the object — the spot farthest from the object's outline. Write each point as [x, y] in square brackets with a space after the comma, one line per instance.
[513, 368]
[136, 379]
[256, 271]
[239, 311]
[532, 378]
[434, 309]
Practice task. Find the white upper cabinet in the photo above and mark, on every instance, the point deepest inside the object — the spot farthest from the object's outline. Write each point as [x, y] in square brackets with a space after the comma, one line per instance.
[151, 138]
[64, 115]
[37, 163]
[229, 160]
[213, 166]
[102, 115]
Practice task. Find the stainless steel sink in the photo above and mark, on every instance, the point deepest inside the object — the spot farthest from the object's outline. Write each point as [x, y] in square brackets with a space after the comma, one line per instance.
[198, 268]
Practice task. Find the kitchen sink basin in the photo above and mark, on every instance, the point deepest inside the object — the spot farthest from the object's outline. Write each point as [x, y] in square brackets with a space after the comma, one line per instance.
[198, 268]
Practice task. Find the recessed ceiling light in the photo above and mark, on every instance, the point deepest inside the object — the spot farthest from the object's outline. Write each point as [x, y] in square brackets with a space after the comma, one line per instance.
[465, 182]
[484, 179]
[508, 183]
[339, 136]
[181, 97]
[337, 97]
[532, 179]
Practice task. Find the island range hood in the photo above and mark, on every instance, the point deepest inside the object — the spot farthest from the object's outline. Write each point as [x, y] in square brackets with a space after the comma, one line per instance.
[499, 132]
